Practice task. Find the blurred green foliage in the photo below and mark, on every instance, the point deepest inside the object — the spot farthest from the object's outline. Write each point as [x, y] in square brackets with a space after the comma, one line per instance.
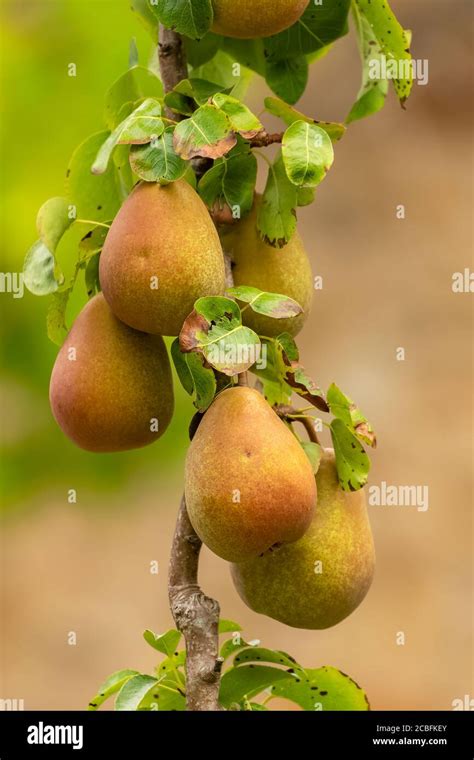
[45, 114]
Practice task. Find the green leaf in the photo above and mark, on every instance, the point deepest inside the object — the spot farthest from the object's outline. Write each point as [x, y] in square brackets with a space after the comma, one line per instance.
[190, 17]
[393, 41]
[39, 270]
[92, 242]
[288, 77]
[318, 26]
[144, 12]
[314, 453]
[56, 316]
[228, 626]
[54, 218]
[96, 197]
[134, 691]
[231, 182]
[322, 689]
[163, 642]
[372, 94]
[344, 408]
[307, 154]
[136, 84]
[289, 115]
[304, 386]
[207, 133]
[91, 276]
[194, 377]
[273, 375]
[276, 219]
[305, 196]
[249, 53]
[352, 462]
[232, 646]
[214, 328]
[256, 654]
[165, 695]
[180, 103]
[201, 51]
[248, 681]
[286, 343]
[140, 127]
[241, 118]
[198, 89]
[158, 161]
[271, 304]
[221, 69]
[171, 664]
[110, 686]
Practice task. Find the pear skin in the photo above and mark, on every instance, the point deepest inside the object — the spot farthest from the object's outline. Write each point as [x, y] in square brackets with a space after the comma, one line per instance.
[248, 19]
[319, 580]
[111, 386]
[161, 254]
[249, 484]
[284, 270]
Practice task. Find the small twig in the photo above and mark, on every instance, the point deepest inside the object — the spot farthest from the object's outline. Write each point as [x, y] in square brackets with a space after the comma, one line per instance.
[290, 413]
[196, 616]
[264, 139]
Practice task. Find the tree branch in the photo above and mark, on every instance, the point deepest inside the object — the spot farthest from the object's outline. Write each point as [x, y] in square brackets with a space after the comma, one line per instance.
[196, 615]
[172, 59]
[264, 139]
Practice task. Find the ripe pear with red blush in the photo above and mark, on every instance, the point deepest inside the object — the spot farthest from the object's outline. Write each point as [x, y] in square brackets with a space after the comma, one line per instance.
[111, 387]
[249, 485]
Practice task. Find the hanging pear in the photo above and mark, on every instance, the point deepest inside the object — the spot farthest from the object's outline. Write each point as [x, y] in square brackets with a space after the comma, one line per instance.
[161, 254]
[111, 387]
[319, 580]
[247, 19]
[249, 485]
[284, 270]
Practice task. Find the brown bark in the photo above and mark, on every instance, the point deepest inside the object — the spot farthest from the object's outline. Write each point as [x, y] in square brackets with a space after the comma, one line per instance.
[196, 616]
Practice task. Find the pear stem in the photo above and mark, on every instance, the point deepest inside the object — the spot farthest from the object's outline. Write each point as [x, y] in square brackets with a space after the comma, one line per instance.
[195, 614]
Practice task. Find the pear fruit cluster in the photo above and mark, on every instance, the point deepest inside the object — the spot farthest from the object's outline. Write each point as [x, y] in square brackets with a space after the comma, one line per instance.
[247, 19]
[111, 386]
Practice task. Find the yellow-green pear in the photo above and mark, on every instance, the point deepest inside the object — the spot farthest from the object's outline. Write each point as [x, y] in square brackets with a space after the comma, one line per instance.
[111, 387]
[161, 254]
[249, 485]
[248, 19]
[319, 580]
[277, 270]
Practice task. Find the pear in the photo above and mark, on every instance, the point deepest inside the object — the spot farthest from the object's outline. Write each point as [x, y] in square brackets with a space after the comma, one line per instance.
[249, 485]
[248, 19]
[161, 254]
[277, 270]
[319, 580]
[111, 386]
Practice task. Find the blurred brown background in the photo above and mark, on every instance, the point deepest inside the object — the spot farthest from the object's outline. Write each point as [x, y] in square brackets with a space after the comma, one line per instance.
[387, 284]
